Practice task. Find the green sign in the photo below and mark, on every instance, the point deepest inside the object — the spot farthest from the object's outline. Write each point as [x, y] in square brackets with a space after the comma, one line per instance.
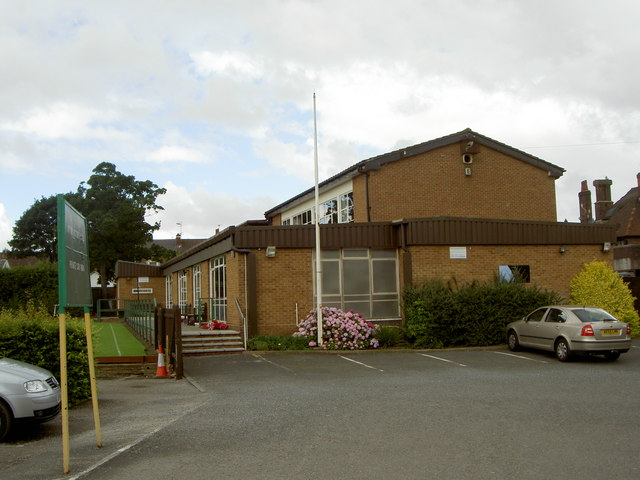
[74, 284]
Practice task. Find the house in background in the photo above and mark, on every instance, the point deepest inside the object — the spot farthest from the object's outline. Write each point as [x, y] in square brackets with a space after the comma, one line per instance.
[463, 206]
[624, 215]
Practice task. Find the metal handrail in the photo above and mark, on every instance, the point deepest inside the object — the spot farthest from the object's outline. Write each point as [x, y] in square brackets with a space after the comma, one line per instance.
[244, 324]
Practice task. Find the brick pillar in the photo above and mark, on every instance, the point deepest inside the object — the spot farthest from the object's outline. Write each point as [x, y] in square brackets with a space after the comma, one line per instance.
[584, 199]
[603, 197]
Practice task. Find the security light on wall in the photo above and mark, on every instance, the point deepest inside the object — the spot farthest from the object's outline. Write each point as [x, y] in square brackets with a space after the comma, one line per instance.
[271, 251]
[606, 246]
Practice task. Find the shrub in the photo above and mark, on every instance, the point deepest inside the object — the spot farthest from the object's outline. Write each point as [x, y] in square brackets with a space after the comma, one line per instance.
[340, 330]
[32, 335]
[37, 285]
[390, 336]
[475, 314]
[598, 285]
[277, 342]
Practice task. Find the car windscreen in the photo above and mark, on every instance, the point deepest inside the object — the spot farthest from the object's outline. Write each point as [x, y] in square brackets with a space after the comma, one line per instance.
[592, 315]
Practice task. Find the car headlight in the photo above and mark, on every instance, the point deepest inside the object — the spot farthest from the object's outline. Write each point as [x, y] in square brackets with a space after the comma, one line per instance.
[35, 386]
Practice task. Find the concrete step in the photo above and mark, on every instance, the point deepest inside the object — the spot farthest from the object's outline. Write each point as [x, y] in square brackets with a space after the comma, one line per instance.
[200, 342]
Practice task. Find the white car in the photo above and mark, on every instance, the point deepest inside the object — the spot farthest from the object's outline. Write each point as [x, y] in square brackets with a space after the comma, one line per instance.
[26, 392]
[565, 329]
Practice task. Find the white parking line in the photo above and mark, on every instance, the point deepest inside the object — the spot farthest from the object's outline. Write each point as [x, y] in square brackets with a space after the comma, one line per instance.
[442, 359]
[360, 363]
[260, 357]
[520, 356]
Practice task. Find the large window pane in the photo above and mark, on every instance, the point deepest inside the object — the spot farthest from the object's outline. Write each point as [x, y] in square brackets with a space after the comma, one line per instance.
[330, 278]
[356, 276]
[384, 276]
[385, 309]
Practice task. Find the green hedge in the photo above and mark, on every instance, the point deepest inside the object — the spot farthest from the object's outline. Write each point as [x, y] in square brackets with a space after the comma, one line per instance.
[37, 285]
[32, 335]
[277, 342]
[439, 315]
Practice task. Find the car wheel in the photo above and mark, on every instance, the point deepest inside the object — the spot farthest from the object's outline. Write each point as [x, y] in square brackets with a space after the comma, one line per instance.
[512, 341]
[563, 352]
[612, 356]
[5, 420]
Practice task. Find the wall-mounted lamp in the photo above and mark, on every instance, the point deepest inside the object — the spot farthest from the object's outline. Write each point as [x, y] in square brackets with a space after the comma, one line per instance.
[271, 251]
[563, 250]
[606, 247]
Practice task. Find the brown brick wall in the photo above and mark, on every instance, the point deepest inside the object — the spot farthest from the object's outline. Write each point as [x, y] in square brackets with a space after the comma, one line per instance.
[549, 268]
[283, 282]
[127, 284]
[434, 184]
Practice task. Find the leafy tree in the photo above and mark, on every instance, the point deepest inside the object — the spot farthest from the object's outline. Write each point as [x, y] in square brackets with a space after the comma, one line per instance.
[599, 285]
[35, 231]
[115, 206]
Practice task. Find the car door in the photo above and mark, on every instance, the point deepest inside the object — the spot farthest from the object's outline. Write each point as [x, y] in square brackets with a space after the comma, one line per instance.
[550, 327]
[530, 333]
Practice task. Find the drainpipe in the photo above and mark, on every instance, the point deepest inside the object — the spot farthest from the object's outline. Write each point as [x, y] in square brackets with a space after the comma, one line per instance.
[407, 262]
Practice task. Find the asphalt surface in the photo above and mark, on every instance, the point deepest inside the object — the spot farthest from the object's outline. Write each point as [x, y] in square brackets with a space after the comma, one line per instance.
[131, 409]
[455, 414]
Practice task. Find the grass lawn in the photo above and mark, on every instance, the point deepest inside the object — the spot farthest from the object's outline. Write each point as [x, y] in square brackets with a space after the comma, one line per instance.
[113, 339]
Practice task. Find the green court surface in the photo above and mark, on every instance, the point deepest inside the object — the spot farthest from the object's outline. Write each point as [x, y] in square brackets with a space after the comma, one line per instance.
[113, 339]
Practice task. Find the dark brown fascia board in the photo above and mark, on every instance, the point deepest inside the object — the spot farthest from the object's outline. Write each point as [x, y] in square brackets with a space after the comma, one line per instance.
[374, 163]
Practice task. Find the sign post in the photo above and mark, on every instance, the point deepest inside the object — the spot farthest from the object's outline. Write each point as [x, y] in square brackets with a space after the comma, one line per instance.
[74, 290]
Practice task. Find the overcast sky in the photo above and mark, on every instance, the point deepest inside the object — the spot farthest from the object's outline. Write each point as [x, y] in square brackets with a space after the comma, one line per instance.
[214, 99]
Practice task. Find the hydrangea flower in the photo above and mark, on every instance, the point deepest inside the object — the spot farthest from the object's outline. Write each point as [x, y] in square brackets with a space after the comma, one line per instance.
[340, 330]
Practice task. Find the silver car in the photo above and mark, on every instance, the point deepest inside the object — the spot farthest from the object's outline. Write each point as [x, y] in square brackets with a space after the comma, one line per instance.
[565, 329]
[26, 392]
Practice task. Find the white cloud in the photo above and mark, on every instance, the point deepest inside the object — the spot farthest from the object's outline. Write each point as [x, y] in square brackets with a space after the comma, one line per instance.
[237, 65]
[66, 121]
[175, 153]
[200, 212]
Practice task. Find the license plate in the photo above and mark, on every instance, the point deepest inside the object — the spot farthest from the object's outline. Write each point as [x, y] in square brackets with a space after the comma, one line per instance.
[611, 332]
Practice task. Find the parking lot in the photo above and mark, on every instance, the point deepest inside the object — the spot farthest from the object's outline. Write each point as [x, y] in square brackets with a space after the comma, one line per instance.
[450, 414]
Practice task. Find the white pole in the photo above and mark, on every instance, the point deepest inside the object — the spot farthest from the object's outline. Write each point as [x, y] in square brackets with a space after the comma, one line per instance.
[318, 260]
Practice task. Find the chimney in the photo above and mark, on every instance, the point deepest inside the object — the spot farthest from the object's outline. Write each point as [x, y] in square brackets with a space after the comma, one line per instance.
[584, 199]
[178, 241]
[638, 178]
[603, 197]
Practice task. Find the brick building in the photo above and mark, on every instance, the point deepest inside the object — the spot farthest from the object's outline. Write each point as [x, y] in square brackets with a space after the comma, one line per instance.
[463, 206]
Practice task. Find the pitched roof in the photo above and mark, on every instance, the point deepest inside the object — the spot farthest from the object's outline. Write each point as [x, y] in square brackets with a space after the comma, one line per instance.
[374, 163]
[626, 213]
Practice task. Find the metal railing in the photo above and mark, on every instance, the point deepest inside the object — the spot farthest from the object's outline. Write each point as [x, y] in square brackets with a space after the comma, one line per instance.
[139, 315]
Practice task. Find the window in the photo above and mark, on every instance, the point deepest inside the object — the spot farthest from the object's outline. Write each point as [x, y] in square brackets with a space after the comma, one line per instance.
[169, 291]
[537, 315]
[514, 273]
[362, 280]
[556, 316]
[334, 210]
[182, 291]
[197, 285]
[346, 208]
[218, 288]
[303, 218]
[329, 211]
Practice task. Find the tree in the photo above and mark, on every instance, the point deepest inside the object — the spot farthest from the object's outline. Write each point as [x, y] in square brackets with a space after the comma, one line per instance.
[115, 206]
[599, 285]
[35, 231]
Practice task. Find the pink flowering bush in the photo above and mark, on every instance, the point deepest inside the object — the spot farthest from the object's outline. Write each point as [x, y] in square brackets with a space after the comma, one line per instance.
[214, 325]
[340, 330]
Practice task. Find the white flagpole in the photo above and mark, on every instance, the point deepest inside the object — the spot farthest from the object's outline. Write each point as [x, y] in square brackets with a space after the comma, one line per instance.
[318, 260]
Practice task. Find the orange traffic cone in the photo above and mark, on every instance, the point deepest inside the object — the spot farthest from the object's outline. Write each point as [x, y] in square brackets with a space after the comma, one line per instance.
[162, 369]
